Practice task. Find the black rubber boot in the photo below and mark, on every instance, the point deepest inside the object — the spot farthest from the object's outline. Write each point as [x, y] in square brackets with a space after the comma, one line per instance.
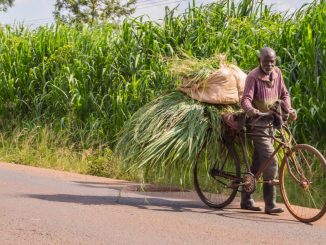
[269, 192]
[248, 203]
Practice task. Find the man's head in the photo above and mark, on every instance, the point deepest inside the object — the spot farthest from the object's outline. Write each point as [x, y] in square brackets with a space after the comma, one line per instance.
[267, 60]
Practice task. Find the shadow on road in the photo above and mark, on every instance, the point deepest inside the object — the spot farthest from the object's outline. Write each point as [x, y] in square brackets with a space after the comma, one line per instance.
[163, 205]
[140, 202]
[129, 186]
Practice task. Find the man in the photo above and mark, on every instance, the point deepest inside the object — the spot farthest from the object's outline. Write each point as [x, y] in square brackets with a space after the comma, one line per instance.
[264, 86]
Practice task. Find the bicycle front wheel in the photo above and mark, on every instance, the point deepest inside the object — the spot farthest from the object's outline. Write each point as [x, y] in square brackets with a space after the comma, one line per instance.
[216, 180]
[303, 183]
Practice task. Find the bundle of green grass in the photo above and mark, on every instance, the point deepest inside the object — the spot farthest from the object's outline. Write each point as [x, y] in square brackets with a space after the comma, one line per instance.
[164, 137]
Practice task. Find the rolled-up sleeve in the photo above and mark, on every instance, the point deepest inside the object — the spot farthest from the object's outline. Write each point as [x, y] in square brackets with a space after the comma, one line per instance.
[248, 94]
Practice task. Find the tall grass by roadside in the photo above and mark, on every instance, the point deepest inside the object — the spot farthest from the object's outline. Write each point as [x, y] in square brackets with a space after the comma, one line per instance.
[43, 147]
[80, 79]
[87, 82]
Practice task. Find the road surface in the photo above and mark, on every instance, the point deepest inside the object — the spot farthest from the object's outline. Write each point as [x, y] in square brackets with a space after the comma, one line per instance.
[41, 206]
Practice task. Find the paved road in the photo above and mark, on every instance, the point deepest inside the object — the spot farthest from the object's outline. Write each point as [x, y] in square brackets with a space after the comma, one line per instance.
[40, 206]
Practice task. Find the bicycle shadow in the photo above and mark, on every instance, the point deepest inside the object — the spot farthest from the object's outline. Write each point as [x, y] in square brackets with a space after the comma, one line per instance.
[231, 211]
[164, 205]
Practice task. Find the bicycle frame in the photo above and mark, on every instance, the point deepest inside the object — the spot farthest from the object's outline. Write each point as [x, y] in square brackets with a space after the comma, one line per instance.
[301, 172]
[283, 143]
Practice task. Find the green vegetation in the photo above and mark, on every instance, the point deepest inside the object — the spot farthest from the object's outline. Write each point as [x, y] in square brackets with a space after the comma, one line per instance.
[194, 69]
[79, 84]
[43, 147]
[165, 136]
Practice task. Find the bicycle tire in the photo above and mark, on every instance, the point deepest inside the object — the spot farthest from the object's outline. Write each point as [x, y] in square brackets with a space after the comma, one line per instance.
[214, 189]
[303, 183]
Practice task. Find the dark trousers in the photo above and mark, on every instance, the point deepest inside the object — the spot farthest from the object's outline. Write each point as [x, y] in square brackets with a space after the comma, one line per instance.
[263, 150]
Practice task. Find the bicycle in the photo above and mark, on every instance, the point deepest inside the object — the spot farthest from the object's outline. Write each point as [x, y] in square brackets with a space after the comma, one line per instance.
[302, 173]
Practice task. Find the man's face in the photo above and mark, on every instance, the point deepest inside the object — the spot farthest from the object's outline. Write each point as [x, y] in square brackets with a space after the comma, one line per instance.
[267, 62]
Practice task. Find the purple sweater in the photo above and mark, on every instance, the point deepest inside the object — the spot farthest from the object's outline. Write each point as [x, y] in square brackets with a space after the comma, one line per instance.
[263, 90]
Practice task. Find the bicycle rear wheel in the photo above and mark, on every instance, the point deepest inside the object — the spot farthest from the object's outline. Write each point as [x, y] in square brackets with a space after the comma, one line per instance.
[303, 183]
[213, 189]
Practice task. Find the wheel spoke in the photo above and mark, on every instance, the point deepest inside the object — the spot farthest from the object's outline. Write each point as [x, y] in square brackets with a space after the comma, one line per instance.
[303, 184]
[212, 188]
[312, 199]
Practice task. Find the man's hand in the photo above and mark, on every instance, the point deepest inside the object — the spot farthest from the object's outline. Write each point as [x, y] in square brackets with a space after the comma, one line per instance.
[252, 112]
[293, 114]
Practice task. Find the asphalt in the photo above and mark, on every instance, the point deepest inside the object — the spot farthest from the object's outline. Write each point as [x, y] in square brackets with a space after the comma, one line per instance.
[41, 206]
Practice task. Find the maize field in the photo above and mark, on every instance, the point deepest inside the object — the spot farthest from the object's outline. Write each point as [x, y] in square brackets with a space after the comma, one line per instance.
[83, 83]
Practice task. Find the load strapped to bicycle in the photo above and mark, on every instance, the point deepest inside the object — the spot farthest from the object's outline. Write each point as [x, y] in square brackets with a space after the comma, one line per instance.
[301, 174]
[183, 132]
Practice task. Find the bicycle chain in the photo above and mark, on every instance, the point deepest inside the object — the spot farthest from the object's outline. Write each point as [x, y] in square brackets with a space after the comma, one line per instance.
[249, 182]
